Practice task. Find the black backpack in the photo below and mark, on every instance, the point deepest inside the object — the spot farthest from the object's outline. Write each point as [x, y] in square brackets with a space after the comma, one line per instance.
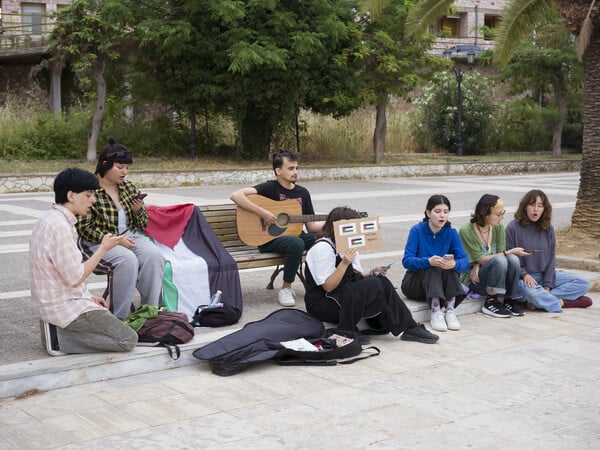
[167, 329]
[262, 341]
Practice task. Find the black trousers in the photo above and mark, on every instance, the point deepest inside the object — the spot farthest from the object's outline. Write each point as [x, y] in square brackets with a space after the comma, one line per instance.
[364, 298]
[423, 285]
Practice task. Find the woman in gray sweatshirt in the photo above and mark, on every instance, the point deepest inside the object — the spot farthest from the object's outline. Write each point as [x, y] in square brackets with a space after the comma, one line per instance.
[543, 286]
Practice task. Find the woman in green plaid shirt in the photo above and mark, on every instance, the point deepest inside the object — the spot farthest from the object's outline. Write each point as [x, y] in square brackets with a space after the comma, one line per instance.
[136, 261]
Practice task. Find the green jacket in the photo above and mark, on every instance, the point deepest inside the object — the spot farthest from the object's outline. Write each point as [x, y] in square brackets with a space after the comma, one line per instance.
[137, 319]
[476, 250]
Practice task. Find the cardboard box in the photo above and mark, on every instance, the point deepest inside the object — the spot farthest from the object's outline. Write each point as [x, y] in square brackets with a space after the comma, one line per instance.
[361, 234]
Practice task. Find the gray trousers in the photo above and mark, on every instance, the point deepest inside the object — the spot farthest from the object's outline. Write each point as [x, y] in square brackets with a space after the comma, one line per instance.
[96, 331]
[143, 267]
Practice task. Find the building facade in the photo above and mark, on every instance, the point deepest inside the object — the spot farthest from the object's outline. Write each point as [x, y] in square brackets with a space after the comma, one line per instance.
[470, 22]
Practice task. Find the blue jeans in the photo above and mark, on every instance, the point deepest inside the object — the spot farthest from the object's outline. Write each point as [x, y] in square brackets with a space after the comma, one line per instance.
[500, 276]
[566, 286]
[292, 248]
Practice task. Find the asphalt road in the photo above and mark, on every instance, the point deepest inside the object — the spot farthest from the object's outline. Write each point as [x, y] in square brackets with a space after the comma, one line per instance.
[399, 203]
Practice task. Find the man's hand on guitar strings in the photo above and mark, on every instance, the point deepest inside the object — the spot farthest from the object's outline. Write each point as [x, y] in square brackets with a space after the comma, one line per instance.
[268, 217]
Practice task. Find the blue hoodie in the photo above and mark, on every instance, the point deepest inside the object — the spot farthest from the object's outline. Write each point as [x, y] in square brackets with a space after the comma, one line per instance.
[422, 244]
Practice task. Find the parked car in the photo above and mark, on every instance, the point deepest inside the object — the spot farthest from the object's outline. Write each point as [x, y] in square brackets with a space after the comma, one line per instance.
[462, 50]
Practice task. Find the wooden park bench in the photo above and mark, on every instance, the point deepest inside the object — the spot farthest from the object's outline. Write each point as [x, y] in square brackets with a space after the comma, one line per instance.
[222, 219]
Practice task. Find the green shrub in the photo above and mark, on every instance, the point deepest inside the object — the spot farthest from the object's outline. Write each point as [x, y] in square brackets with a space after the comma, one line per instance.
[522, 126]
[41, 135]
[436, 118]
[158, 136]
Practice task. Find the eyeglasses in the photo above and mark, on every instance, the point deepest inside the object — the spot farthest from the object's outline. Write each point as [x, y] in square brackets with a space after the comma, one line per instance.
[500, 214]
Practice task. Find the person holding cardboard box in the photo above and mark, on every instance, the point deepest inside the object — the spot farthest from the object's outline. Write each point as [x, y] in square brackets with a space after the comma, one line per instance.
[339, 290]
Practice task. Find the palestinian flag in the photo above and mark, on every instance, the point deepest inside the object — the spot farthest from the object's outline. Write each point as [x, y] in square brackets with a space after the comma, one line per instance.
[197, 263]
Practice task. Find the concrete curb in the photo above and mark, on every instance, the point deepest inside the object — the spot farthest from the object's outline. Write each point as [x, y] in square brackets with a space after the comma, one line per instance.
[567, 262]
[32, 182]
[55, 372]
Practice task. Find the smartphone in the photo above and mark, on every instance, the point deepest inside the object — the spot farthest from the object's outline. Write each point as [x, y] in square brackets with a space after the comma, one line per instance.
[384, 268]
[140, 196]
[449, 256]
[532, 251]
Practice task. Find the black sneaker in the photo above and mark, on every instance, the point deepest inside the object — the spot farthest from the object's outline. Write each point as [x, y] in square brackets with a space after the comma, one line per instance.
[514, 307]
[419, 334]
[493, 307]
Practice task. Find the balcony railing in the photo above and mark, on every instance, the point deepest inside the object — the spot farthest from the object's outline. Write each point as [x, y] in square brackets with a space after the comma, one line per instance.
[24, 33]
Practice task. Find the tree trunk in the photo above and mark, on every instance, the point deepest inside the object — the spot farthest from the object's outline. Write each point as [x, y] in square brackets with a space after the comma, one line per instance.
[560, 93]
[380, 130]
[192, 133]
[585, 216]
[98, 67]
[255, 133]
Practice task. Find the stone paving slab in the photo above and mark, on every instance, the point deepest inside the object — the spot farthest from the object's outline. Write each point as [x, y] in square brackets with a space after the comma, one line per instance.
[57, 372]
[528, 382]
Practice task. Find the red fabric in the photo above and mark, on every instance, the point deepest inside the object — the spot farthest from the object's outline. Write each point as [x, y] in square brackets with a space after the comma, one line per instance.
[166, 224]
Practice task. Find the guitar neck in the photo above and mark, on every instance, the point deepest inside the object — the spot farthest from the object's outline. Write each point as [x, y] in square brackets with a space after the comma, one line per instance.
[308, 218]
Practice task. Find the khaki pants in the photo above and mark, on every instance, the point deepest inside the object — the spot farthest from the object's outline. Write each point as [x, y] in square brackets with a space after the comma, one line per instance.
[96, 331]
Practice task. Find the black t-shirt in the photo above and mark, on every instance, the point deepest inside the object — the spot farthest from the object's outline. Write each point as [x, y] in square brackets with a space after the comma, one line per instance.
[275, 191]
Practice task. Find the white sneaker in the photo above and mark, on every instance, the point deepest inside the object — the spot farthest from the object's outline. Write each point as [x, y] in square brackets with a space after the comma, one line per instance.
[437, 321]
[452, 321]
[287, 297]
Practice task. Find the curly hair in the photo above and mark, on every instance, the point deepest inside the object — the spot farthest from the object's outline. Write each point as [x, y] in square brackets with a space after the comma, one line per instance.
[529, 199]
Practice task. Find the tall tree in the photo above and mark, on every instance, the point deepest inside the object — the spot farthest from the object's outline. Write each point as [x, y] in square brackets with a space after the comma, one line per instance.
[547, 61]
[583, 19]
[265, 59]
[391, 63]
[172, 50]
[88, 36]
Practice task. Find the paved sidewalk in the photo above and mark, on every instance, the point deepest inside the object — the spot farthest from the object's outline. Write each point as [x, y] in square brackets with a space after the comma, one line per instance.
[529, 382]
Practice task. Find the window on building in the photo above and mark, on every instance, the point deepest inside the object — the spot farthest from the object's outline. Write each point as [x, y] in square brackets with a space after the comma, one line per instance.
[447, 27]
[33, 15]
[490, 24]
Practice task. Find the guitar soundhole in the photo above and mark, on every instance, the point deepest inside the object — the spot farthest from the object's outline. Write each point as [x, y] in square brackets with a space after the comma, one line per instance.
[283, 219]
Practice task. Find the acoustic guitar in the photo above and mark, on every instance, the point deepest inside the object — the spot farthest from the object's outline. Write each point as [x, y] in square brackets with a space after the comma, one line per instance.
[254, 231]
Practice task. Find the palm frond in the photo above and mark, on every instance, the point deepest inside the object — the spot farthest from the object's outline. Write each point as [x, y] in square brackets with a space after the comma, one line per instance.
[519, 19]
[426, 13]
[374, 7]
[585, 33]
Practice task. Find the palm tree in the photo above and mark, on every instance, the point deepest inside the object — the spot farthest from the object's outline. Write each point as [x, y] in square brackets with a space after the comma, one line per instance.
[519, 19]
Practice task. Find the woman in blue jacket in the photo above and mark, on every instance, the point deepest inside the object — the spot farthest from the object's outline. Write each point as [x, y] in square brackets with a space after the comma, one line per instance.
[434, 257]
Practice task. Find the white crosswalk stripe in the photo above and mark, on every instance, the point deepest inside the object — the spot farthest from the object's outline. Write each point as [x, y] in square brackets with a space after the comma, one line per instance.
[398, 202]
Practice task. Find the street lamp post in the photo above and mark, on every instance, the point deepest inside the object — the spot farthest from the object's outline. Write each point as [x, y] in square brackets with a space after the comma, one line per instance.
[457, 69]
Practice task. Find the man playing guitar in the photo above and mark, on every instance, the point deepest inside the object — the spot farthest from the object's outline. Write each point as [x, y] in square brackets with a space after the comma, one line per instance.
[284, 187]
